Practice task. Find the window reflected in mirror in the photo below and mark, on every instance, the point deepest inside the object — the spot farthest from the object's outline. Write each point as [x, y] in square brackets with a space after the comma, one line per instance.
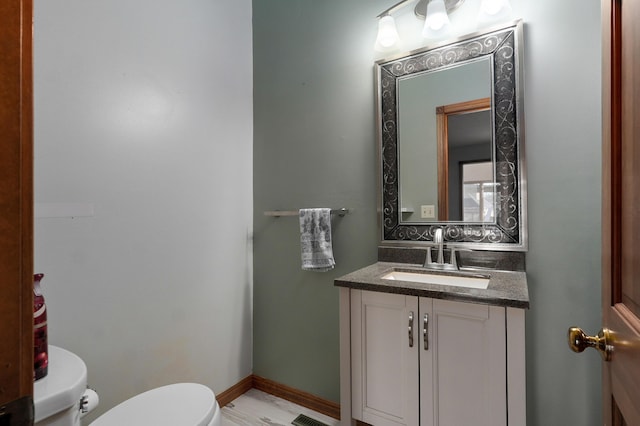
[478, 192]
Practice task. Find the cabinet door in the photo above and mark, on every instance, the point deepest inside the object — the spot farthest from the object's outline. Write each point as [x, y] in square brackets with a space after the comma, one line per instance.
[463, 371]
[384, 358]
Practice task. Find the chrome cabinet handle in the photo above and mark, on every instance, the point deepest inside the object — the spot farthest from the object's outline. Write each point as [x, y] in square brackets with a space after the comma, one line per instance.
[410, 329]
[425, 331]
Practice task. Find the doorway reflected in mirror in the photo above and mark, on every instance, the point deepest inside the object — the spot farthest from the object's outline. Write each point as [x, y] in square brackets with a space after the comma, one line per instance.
[464, 136]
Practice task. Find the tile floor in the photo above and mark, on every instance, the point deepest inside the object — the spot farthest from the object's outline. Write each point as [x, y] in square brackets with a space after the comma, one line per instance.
[258, 408]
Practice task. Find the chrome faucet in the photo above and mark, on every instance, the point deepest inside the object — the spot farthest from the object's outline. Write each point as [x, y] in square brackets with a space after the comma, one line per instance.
[438, 240]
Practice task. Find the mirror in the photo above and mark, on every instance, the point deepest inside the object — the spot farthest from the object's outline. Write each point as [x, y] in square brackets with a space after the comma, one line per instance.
[450, 143]
[437, 128]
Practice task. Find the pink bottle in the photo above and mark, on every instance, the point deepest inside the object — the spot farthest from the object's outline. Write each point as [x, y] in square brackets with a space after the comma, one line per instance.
[40, 346]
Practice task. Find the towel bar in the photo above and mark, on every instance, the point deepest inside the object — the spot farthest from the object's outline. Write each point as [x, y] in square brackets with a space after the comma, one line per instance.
[277, 213]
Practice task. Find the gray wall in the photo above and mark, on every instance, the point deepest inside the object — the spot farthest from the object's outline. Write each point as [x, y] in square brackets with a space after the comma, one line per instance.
[143, 111]
[315, 146]
[563, 113]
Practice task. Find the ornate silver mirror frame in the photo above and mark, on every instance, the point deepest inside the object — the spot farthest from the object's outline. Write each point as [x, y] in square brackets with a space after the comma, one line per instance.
[509, 230]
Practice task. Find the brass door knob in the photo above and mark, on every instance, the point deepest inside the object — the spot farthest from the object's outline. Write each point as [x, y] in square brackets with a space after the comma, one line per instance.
[579, 341]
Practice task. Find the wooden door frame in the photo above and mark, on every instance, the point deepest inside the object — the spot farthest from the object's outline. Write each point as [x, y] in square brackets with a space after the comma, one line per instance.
[611, 185]
[610, 192]
[16, 201]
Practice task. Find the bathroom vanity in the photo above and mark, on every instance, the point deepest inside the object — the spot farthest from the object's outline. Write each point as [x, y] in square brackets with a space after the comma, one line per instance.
[417, 353]
[444, 347]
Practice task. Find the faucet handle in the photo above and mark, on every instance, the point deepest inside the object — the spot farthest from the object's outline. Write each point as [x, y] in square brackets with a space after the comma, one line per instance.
[453, 261]
[428, 260]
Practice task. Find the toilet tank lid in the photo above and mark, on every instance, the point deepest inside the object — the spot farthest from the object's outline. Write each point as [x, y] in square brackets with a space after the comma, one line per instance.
[62, 387]
[187, 404]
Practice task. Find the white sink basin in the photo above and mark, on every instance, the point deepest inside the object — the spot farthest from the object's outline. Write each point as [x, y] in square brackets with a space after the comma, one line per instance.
[427, 278]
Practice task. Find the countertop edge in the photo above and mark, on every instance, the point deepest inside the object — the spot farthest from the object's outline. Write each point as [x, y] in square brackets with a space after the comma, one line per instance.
[506, 289]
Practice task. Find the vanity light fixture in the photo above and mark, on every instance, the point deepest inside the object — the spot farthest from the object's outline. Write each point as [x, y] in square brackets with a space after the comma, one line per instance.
[434, 12]
[436, 16]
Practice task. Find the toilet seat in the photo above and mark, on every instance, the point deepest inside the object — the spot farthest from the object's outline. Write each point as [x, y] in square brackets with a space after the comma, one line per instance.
[185, 404]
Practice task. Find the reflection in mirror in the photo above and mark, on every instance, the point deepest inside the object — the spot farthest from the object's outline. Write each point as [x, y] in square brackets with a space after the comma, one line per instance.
[430, 102]
[464, 137]
[477, 192]
[422, 164]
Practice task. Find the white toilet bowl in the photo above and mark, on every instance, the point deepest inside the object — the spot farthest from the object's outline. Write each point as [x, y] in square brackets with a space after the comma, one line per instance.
[61, 399]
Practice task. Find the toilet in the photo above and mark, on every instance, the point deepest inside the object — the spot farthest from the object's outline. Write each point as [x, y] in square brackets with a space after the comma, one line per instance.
[184, 404]
[61, 399]
[57, 396]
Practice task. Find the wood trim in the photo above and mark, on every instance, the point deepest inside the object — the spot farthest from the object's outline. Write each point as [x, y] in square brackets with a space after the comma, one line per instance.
[328, 408]
[475, 105]
[624, 369]
[16, 200]
[234, 391]
[614, 141]
[610, 183]
[617, 419]
[442, 135]
[288, 393]
[26, 197]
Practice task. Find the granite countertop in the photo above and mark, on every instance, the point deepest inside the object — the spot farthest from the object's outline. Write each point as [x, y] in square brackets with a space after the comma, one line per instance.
[506, 288]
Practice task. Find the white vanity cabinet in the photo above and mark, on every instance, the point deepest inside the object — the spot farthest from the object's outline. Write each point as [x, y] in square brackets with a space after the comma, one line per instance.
[431, 362]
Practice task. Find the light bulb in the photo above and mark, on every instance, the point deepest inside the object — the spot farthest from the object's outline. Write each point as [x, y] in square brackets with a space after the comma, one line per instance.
[436, 19]
[387, 33]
